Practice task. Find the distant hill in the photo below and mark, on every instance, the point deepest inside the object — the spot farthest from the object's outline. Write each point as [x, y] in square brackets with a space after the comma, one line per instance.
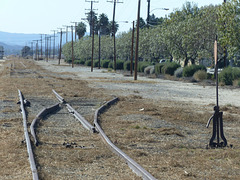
[17, 38]
[14, 42]
[11, 49]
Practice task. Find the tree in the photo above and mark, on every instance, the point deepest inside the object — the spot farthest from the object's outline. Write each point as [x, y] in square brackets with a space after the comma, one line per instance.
[116, 26]
[142, 23]
[229, 26]
[81, 29]
[92, 18]
[103, 24]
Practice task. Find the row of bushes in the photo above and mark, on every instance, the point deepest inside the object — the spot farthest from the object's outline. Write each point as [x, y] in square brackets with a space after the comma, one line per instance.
[227, 76]
[120, 64]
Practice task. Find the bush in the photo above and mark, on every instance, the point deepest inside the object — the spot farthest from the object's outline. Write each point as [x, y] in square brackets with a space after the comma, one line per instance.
[119, 64]
[178, 73]
[79, 61]
[110, 65]
[104, 63]
[158, 68]
[200, 75]
[126, 65]
[95, 63]
[148, 70]
[228, 75]
[170, 67]
[88, 63]
[189, 71]
[142, 65]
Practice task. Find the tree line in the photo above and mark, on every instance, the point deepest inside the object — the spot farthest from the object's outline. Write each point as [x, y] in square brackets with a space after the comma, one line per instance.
[186, 35]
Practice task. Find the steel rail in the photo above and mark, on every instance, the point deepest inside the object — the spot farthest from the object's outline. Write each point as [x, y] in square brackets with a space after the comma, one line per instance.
[82, 120]
[140, 171]
[40, 115]
[27, 139]
[60, 98]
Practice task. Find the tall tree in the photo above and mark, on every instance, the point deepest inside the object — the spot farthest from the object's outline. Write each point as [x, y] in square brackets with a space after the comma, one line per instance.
[92, 18]
[81, 29]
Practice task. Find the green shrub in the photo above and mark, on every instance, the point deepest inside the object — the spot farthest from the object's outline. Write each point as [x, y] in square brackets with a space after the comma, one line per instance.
[104, 63]
[170, 67]
[88, 63]
[148, 69]
[238, 83]
[189, 71]
[119, 64]
[142, 65]
[236, 73]
[110, 65]
[178, 73]
[95, 63]
[79, 61]
[158, 68]
[200, 75]
[228, 75]
[68, 61]
[127, 64]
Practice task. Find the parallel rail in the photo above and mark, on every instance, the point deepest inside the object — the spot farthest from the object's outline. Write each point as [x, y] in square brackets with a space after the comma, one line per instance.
[27, 139]
[140, 171]
[40, 115]
[82, 120]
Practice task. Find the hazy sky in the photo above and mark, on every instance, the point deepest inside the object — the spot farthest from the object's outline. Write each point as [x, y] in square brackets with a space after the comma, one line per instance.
[42, 16]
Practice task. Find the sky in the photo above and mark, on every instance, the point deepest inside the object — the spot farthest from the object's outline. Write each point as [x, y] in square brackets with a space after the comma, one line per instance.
[42, 16]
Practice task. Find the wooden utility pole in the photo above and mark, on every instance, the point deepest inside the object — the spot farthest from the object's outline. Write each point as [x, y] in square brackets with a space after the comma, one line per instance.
[99, 47]
[92, 20]
[131, 64]
[137, 41]
[75, 30]
[54, 48]
[60, 49]
[113, 32]
[41, 46]
[148, 13]
[72, 48]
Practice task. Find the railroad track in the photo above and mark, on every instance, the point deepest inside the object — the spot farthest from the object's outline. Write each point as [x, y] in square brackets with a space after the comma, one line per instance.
[56, 134]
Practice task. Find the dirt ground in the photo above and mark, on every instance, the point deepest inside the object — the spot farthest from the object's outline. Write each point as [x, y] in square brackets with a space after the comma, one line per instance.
[165, 134]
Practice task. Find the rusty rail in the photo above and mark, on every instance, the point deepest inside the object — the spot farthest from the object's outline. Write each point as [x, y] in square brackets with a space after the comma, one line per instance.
[140, 171]
[82, 120]
[40, 115]
[27, 139]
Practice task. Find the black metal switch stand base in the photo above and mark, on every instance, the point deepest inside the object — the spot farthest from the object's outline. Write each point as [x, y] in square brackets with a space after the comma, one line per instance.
[215, 141]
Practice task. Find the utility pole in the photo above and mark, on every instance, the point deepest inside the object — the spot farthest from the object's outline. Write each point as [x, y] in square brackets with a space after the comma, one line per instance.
[137, 41]
[32, 48]
[54, 48]
[72, 49]
[41, 46]
[131, 65]
[92, 20]
[99, 46]
[66, 32]
[148, 13]
[37, 53]
[113, 31]
[75, 29]
[60, 48]
[47, 48]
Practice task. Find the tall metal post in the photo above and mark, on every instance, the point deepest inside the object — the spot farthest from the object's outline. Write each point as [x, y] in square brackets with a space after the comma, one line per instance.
[131, 64]
[137, 41]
